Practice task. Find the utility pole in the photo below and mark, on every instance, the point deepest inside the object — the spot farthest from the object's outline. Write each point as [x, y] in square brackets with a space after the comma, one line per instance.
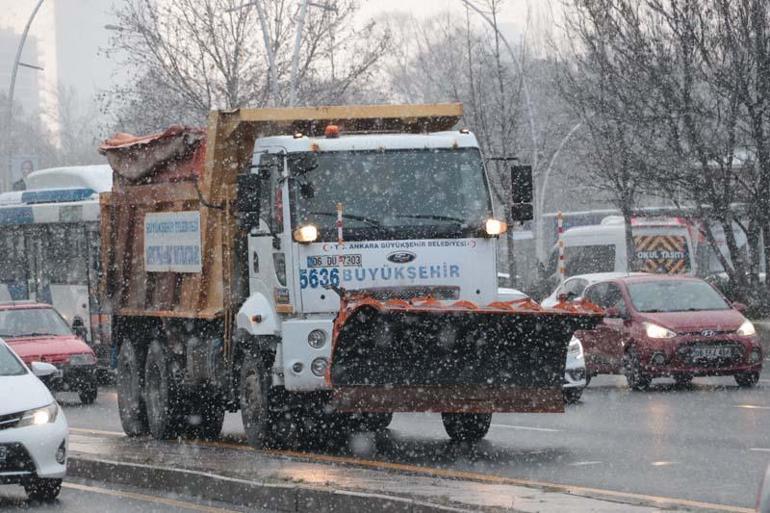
[7, 178]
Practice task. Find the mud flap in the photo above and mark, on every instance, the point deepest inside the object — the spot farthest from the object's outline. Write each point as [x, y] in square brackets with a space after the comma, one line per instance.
[430, 356]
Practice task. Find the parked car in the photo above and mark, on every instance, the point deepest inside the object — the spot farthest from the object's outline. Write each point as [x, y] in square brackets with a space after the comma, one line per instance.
[572, 288]
[669, 326]
[575, 375]
[38, 333]
[33, 429]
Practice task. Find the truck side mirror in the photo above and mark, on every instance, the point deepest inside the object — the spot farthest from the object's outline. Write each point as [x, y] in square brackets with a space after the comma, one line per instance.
[247, 201]
[521, 193]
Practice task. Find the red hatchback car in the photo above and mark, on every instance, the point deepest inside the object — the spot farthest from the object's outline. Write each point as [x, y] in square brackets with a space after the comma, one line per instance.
[669, 326]
[37, 332]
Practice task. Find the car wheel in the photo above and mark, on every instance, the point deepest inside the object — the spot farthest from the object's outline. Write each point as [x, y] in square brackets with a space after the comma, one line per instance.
[632, 367]
[466, 427]
[747, 379]
[130, 387]
[88, 392]
[43, 490]
[572, 395]
[161, 396]
[255, 401]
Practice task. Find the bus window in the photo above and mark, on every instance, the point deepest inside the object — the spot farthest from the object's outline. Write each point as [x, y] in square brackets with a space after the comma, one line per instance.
[589, 259]
[13, 272]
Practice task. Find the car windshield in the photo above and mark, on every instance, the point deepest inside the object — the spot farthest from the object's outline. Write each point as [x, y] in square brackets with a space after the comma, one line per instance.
[26, 322]
[9, 364]
[436, 191]
[675, 296]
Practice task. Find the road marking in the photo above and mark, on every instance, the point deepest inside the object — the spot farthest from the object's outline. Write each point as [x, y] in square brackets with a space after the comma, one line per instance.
[96, 432]
[752, 407]
[662, 463]
[147, 498]
[584, 463]
[444, 473]
[525, 428]
[759, 449]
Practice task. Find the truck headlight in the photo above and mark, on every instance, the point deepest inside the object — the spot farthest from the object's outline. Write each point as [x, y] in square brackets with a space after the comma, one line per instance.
[39, 416]
[495, 227]
[316, 339]
[747, 329]
[318, 366]
[82, 359]
[575, 349]
[307, 233]
[656, 331]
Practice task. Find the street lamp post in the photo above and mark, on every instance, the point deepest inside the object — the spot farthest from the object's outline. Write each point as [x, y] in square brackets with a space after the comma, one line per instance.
[9, 111]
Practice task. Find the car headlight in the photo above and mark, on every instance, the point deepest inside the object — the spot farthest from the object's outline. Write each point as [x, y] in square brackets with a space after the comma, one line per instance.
[39, 416]
[655, 331]
[575, 349]
[82, 359]
[747, 329]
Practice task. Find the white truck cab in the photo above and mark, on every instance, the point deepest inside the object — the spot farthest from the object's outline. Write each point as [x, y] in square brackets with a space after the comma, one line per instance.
[412, 222]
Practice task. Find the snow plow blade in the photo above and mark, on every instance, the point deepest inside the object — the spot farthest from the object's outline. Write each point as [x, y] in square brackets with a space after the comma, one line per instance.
[427, 355]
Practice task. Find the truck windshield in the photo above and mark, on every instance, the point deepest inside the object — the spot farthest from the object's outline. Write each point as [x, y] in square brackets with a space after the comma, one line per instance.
[392, 194]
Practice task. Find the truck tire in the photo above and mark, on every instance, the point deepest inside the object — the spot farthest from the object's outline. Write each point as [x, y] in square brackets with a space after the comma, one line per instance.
[206, 416]
[130, 386]
[466, 427]
[161, 396]
[256, 413]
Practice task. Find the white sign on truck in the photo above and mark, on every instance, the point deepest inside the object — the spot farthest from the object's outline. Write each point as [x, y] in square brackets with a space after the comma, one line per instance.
[172, 242]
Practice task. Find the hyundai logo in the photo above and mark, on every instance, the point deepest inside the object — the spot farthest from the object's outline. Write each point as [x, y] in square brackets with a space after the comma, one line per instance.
[401, 257]
[708, 333]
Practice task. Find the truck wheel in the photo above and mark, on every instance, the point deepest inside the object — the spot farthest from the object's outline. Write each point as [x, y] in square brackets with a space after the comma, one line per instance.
[376, 421]
[88, 392]
[466, 427]
[129, 382]
[160, 395]
[747, 379]
[205, 421]
[255, 401]
[632, 368]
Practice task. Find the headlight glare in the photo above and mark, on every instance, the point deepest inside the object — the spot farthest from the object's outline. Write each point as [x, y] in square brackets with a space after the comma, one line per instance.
[747, 329]
[495, 227]
[307, 233]
[656, 331]
[39, 416]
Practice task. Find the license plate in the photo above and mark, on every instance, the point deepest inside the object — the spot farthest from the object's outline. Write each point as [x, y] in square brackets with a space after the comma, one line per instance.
[711, 353]
[3, 454]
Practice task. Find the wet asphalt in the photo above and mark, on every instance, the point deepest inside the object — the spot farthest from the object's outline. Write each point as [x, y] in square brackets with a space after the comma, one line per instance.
[707, 442]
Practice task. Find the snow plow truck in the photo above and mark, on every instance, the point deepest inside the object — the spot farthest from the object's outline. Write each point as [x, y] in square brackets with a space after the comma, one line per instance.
[317, 269]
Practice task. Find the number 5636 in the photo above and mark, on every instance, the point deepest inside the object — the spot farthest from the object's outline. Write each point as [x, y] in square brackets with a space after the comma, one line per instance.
[323, 277]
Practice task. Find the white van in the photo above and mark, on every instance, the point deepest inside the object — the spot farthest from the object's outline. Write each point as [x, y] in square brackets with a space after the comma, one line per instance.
[663, 245]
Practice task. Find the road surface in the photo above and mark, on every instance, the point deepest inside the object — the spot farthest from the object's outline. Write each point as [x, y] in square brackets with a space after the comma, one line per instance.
[709, 442]
[80, 497]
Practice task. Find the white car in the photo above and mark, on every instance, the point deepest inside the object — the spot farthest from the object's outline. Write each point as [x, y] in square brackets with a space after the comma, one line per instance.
[573, 287]
[33, 429]
[575, 371]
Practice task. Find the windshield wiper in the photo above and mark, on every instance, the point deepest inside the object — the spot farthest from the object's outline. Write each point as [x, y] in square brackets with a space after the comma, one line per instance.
[432, 216]
[36, 334]
[368, 220]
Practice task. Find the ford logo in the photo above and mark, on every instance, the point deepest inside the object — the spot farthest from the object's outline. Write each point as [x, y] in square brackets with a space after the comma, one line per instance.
[708, 333]
[401, 257]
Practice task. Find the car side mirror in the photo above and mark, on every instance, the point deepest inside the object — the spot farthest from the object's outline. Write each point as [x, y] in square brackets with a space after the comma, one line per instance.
[79, 328]
[740, 307]
[42, 369]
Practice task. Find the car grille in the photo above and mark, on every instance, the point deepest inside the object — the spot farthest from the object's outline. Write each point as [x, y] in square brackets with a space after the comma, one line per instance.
[17, 459]
[688, 354]
[10, 420]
